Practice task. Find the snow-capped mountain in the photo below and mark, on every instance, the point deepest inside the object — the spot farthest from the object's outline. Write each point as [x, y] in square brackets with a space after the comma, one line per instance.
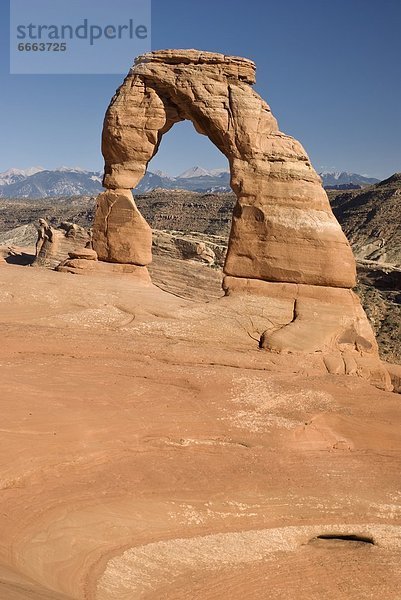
[150, 181]
[343, 178]
[193, 172]
[41, 183]
[200, 172]
[161, 174]
[14, 175]
[71, 170]
[38, 182]
[196, 179]
[65, 181]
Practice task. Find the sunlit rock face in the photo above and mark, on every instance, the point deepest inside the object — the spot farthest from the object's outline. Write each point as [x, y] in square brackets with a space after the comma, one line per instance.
[283, 230]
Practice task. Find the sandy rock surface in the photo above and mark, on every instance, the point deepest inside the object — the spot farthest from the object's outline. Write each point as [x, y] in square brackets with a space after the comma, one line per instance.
[151, 450]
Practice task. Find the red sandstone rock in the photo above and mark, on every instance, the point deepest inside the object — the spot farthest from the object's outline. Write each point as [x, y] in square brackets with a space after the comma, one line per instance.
[285, 242]
[283, 228]
[120, 233]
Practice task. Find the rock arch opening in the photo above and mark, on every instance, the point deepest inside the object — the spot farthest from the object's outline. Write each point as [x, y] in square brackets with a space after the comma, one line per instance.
[183, 204]
[184, 196]
[183, 148]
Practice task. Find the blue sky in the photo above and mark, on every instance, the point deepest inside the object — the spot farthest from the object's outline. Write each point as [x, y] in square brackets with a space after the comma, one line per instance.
[330, 71]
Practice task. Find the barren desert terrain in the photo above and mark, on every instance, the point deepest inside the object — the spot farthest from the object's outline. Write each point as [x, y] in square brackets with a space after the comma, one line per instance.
[150, 449]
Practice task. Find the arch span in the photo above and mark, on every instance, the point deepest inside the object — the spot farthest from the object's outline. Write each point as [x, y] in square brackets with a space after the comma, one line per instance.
[283, 228]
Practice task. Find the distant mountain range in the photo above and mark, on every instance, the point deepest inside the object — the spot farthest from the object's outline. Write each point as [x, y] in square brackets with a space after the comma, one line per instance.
[37, 182]
[195, 179]
[15, 175]
[343, 179]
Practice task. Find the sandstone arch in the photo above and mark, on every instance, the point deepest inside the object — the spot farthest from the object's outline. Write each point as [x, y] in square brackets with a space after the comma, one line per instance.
[285, 243]
[283, 228]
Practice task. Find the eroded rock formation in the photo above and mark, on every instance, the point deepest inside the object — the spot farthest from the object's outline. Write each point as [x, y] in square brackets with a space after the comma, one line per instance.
[283, 229]
[55, 244]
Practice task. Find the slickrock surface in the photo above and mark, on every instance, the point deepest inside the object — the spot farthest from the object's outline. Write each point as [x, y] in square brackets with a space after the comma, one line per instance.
[151, 450]
[378, 286]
